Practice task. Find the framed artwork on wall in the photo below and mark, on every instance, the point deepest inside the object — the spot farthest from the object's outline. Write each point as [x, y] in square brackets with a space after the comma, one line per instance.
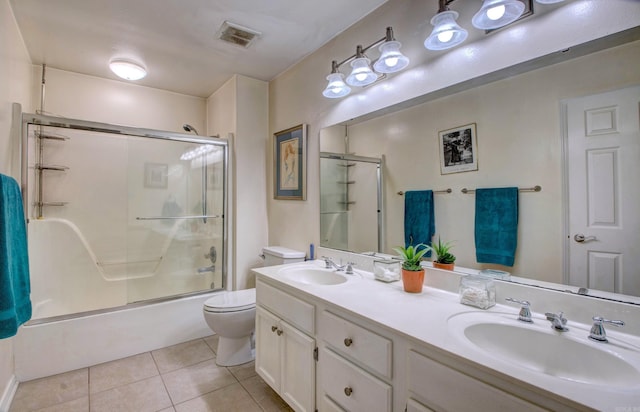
[156, 175]
[290, 163]
[458, 149]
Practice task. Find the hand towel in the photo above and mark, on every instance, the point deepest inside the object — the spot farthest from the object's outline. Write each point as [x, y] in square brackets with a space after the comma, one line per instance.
[419, 218]
[496, 225]
[15, 289]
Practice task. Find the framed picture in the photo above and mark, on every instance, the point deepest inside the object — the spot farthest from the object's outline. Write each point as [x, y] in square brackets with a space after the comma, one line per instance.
[290, 163]
[156, 175]
[458, 149]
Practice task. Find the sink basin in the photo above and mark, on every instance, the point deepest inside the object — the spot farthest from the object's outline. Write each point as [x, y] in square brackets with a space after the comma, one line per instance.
[537, 347]
[313, 276]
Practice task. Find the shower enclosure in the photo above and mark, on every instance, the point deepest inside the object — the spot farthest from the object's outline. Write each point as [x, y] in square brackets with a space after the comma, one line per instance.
[119, 216]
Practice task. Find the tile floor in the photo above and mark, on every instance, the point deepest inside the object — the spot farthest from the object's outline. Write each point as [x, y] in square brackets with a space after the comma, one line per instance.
[180, 378]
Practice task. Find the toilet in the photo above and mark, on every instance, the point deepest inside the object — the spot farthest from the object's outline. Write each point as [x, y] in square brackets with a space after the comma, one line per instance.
[232, 314]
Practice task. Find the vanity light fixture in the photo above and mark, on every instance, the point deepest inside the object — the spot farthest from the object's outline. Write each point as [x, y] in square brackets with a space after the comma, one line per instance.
[127, 69]
[497, 13]
[391, 60]
[446, 32]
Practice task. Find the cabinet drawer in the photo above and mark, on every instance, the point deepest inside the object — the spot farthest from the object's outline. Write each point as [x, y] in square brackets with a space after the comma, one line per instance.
[351, 387]
[362, 345]
[443, 388]
[295, 311]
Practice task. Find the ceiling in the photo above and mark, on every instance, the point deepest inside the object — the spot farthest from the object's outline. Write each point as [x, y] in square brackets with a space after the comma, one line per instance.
[176, 40]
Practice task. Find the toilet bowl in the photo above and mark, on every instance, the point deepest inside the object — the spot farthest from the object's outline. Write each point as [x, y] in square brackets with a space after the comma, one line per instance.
[232, 316]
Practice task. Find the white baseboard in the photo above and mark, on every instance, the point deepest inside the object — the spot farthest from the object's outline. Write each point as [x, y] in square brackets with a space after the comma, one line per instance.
[7, 395]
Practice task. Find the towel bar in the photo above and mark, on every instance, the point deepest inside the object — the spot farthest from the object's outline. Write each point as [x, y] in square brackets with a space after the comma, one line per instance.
[520, 189]
[435, 191]
[177, 217]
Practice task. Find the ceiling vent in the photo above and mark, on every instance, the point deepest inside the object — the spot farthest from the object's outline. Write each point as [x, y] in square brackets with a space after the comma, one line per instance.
[237, 35]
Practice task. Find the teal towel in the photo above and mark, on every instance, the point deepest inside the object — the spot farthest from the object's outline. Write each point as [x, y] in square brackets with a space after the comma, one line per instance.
[419, 218]
[496, 223]
[15, 304]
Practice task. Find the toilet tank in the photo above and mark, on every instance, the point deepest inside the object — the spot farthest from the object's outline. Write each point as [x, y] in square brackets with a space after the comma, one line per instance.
[278, 255]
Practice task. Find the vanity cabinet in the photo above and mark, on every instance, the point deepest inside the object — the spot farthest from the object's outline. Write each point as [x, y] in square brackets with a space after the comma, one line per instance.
[285, 346]
[443, 388]
[354, 366]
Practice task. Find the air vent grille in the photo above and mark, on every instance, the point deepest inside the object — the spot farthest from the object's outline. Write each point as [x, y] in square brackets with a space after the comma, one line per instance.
[237, 35]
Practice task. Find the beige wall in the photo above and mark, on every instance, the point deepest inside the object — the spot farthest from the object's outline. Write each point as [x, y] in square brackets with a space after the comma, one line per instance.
[241, 107]
[15, 86]
[83, 97]
[295, 96]
[519, 144]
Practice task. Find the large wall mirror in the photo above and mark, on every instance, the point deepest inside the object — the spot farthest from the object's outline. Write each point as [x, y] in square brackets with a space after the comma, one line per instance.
[521, 134]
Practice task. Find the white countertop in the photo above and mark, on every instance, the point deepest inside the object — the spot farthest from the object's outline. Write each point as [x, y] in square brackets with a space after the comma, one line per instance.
[387, 305]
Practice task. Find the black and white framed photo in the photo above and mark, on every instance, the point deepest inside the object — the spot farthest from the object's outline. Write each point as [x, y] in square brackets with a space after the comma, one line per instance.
[458, 149]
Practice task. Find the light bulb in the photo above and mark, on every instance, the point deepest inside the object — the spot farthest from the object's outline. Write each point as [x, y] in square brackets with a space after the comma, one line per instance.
[445, 36]
[361, 76]
[495, 13]
[391, 61]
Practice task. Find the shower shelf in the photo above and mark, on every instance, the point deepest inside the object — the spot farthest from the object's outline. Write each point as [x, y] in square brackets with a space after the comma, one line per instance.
[50, 203]
[51, 167]
[50, 136]
[350, 182]
[347, 203]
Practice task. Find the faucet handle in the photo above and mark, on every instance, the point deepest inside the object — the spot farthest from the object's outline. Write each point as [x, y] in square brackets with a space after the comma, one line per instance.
[598, 333]
[327, 262]
[349, 269]
[525, 312]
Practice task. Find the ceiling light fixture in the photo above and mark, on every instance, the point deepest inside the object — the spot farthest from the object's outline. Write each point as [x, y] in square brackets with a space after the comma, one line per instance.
[391, 60]
[127, 69]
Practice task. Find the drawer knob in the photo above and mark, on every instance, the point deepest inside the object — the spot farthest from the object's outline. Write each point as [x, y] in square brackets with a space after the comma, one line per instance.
[348, 391]
[279, 332]
[348, 342]
[274, 328]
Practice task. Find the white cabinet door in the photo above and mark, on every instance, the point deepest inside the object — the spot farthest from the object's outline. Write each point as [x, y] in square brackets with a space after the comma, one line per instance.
[268, 348]
[298, 369]
[284, 359]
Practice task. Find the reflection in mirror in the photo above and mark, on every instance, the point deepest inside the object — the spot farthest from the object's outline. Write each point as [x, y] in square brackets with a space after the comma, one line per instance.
[350, 202]
[521, 139]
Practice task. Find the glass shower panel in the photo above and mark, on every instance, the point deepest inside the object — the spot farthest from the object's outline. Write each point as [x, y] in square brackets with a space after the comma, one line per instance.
[175, 222]
[334, 210]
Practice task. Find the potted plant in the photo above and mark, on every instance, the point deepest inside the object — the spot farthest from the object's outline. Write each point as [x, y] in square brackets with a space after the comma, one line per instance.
[444, 258]
[412, 272]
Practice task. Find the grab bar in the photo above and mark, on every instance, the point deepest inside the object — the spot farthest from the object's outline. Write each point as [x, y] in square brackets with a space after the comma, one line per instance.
[178, 217]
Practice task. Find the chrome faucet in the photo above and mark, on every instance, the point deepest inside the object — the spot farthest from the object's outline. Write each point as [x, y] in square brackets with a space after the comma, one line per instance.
[558, 321]
[525, 312]
[348, 268]
[597, 330]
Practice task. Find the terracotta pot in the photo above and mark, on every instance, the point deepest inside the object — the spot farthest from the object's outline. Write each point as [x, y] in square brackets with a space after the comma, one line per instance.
[445, 266]
[412, 280]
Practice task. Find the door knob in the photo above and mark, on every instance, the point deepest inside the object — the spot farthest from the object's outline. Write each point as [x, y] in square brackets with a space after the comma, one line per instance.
[580, 238]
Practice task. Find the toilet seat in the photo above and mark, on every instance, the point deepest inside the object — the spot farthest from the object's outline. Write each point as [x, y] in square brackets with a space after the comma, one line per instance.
[234, 301]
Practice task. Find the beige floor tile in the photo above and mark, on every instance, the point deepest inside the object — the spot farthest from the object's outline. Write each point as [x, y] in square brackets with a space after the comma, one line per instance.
[146, 395]
[193, 381]
[171, 409]
[232, 398]
[50, 391]
[121, 372]
[266, 397]
[242, 372]
[212, 341]
[77, 405]
[181, 355]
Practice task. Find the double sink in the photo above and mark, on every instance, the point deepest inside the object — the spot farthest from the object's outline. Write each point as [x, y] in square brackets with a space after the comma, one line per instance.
[533, 347]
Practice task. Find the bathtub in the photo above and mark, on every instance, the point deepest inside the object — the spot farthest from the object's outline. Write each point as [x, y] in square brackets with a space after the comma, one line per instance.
[60, 346]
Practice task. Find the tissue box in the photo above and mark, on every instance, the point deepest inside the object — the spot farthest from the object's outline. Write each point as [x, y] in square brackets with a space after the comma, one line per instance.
[477, 291]
[387, 270]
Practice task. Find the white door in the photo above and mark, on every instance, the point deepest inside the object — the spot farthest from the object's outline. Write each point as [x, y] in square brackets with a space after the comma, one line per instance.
[298, 387]
[268, 348]
[603, 164]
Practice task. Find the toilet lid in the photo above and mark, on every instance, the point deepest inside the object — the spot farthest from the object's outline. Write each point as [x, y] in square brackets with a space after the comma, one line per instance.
[231, 301]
